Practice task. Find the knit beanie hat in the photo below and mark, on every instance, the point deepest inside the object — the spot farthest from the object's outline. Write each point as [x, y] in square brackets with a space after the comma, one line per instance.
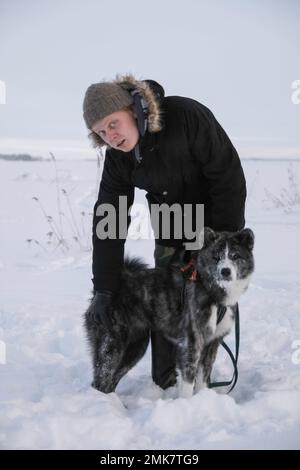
[102, 99]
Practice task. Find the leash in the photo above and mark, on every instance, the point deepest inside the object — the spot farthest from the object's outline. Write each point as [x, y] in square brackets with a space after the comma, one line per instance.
[234, 358]
[220, 315]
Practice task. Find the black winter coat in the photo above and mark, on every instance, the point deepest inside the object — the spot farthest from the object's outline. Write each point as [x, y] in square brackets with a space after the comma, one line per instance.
[187, 158]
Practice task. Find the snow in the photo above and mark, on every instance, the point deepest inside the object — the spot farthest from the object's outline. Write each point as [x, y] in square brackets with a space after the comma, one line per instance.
[45, 397]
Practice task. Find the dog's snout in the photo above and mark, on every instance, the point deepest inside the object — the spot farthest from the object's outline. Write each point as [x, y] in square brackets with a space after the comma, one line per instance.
[226, 272]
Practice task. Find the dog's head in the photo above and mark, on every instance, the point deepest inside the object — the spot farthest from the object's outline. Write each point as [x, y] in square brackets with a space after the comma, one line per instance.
[226, 261]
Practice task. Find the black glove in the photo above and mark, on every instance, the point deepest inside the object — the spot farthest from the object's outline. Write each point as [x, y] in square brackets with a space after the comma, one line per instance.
[98, 311]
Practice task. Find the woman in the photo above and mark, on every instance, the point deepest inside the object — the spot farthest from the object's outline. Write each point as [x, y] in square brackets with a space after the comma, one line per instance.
[173, 148]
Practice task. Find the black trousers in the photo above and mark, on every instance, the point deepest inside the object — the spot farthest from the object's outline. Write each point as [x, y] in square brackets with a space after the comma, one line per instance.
[163, 351]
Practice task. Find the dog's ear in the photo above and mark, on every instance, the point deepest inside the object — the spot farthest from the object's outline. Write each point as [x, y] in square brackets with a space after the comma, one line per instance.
[246, 238]
[210, 236]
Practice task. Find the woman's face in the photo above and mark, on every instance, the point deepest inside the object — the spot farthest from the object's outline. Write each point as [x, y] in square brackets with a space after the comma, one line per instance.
[118, 130]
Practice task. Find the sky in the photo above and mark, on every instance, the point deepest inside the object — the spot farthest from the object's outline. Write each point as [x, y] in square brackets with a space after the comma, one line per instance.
[239, 58]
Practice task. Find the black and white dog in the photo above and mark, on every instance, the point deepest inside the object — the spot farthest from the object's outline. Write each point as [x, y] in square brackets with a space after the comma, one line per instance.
[184, 310]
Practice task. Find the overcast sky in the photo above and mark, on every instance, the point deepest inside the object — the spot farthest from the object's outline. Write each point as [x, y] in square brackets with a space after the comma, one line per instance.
[239, 58]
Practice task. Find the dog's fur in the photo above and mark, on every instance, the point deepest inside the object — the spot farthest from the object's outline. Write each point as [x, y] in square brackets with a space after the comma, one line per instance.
[153, 299]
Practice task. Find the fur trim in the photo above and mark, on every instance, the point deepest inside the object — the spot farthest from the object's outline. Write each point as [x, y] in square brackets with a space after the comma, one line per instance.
[154, 112]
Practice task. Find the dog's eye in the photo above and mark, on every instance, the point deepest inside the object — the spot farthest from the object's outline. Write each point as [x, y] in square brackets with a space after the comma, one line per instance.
[236, 256]
[217, 258]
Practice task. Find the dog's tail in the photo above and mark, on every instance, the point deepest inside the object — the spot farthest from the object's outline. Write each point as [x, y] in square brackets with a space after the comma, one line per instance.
[134, 265]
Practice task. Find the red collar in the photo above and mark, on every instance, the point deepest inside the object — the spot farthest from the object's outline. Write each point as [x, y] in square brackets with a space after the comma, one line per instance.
[189, 269]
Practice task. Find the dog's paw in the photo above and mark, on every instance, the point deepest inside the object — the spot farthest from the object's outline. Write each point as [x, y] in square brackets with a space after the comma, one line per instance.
[186, 389]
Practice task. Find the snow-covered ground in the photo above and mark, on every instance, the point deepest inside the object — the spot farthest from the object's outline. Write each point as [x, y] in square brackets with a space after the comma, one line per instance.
[46, 398]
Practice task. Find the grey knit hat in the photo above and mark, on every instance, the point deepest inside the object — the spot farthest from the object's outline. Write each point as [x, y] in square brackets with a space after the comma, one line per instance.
[102, 99]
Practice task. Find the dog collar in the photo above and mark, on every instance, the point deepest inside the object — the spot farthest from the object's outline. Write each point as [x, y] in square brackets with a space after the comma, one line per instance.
[190, 270]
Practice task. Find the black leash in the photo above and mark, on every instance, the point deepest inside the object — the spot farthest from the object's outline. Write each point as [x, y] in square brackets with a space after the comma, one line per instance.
[233, 358]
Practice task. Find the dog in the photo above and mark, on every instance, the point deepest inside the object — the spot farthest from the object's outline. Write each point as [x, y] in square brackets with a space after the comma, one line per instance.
[184, 310]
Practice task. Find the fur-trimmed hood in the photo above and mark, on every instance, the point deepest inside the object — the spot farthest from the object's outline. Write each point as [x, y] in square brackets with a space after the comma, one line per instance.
[152, 93]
